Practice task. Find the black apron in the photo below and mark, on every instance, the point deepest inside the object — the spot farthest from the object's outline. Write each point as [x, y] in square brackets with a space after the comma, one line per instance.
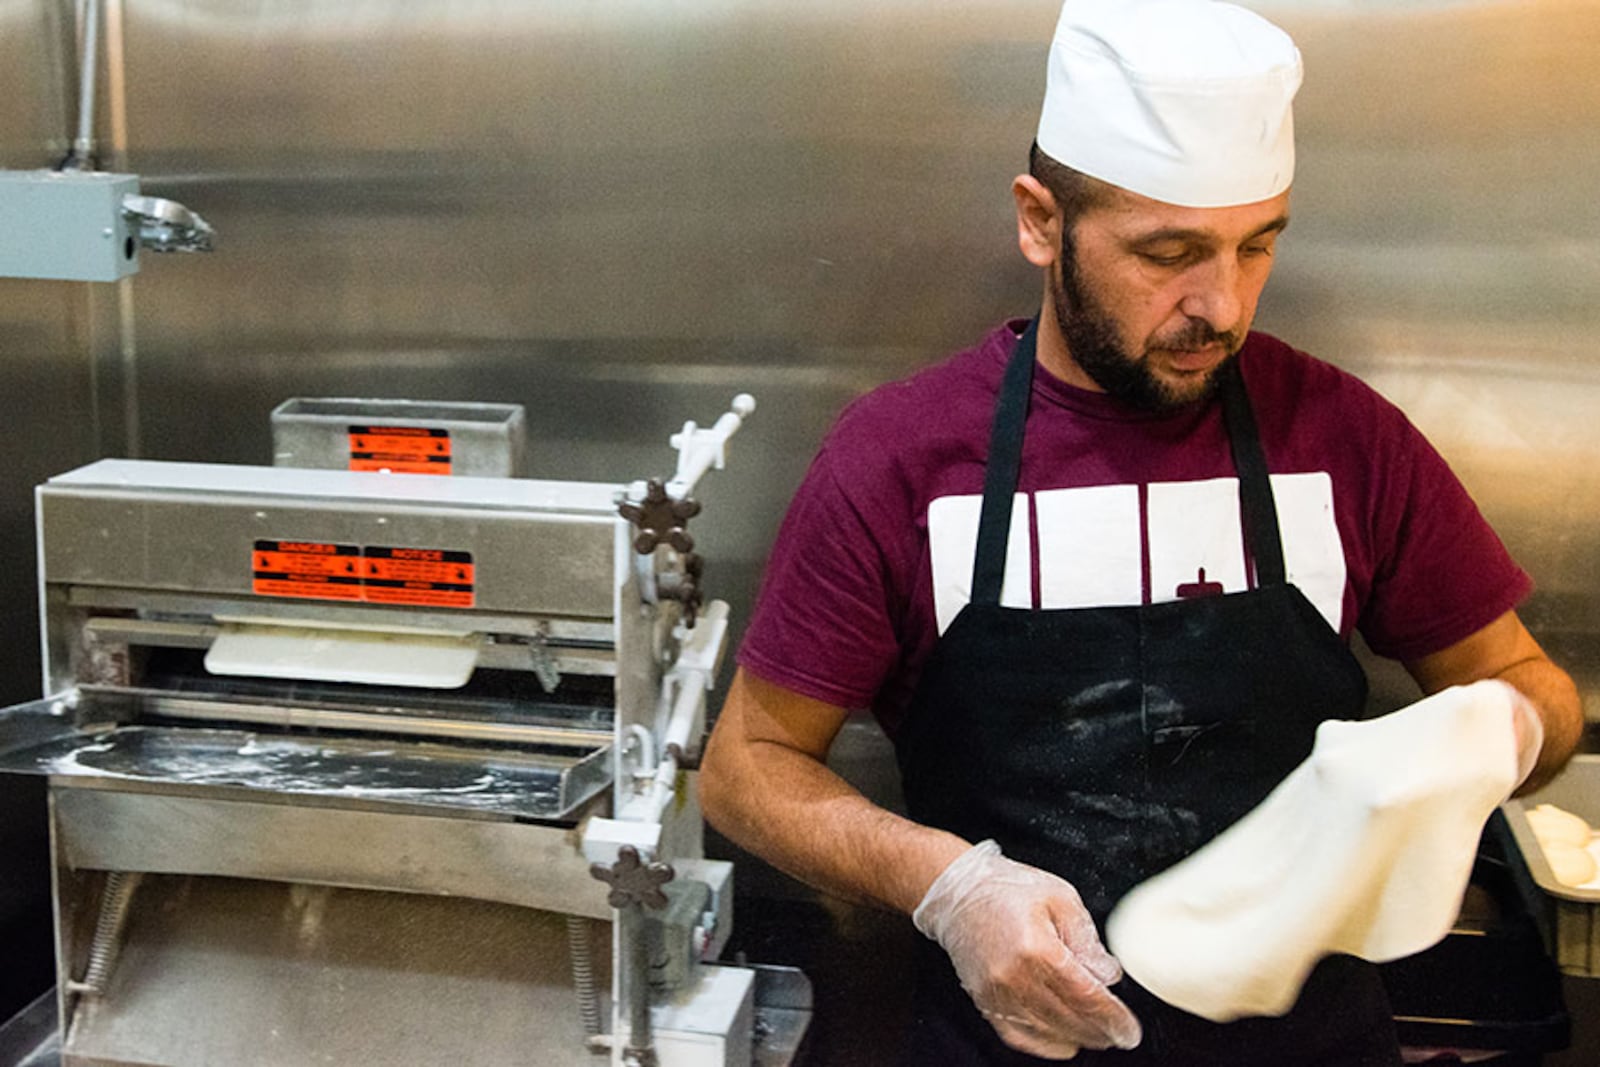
[1106, 744]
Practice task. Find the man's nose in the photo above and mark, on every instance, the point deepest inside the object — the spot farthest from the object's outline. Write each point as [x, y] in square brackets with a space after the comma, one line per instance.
[1216, 294]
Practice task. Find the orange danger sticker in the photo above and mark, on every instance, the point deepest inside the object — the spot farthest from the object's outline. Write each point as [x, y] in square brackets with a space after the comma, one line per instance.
[306, 569]
[424, 577]
[401, 449]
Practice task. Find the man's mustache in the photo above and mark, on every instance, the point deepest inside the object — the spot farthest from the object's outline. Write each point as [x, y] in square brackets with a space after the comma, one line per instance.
[1198, 334]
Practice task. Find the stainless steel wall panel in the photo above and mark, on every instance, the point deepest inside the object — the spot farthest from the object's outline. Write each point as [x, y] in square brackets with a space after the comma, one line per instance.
[36, 82]
[47, 375]
[1446, 248]
[578, 170]
[47, 412]
[619, 214]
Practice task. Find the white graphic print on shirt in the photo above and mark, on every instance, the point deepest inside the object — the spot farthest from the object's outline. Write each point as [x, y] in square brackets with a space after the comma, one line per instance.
[1092, 544]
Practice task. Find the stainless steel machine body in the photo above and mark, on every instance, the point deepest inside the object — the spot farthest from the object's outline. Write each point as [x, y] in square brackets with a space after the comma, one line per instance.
[340, 761]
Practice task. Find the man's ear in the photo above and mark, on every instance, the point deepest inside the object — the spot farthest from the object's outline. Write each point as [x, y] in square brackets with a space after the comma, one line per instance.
[1038, 221]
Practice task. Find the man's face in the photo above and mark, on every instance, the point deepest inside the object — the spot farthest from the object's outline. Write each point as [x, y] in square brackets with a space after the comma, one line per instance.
[1154, 299]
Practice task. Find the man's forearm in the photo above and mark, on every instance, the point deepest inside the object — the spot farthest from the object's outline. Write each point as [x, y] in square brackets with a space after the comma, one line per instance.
[1505, 649]
[1555, 696]
[782, 803]
[808, 822]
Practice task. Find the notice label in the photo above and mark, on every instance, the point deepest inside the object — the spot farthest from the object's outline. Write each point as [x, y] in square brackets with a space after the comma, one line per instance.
[401, 449]
[306, 569]
[376, 574]
[424, 576]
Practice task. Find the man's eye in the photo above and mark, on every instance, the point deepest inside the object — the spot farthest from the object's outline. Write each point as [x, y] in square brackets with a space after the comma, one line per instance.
[1257, 250]
[1164, 259]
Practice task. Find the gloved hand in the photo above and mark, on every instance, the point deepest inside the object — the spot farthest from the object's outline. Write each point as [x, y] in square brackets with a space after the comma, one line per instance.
[1529, 728]
[1027, 953]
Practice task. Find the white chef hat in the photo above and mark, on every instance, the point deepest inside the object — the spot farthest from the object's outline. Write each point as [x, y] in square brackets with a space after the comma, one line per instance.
[1184, 101]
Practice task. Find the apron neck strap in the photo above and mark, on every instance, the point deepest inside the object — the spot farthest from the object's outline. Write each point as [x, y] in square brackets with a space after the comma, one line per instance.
[1002, 468]
[1004, 464]
[1260, 511]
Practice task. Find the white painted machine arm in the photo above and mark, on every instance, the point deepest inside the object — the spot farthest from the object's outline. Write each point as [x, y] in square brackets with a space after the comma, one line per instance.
[701, 449]
[693, 674]
[687, 683]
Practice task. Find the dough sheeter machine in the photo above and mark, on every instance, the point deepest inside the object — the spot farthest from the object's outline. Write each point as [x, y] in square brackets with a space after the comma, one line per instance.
[357, 767]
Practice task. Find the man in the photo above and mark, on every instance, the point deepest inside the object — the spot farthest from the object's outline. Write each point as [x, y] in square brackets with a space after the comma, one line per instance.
[1035, 617]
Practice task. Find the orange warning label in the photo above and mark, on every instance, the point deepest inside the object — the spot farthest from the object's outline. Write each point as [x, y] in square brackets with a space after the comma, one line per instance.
[401, 449]
[378, 574]
[424, 576]
[306, 569]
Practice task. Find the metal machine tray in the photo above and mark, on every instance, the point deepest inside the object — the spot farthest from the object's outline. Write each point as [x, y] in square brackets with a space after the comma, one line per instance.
[515, 783]
[1571, 916]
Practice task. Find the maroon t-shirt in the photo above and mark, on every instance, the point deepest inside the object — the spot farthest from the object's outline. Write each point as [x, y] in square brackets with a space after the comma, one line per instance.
[1114, 506]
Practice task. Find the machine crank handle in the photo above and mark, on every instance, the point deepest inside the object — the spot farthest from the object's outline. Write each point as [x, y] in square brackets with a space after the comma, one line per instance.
[701, 449]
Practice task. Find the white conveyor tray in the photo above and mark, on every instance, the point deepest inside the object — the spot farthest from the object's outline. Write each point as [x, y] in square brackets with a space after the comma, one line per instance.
[260, 648]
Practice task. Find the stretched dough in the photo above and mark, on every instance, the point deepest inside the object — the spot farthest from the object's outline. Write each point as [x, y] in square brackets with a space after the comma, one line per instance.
[1365, 848]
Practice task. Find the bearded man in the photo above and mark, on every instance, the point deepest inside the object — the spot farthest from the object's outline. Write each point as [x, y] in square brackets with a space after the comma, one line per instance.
[1097, 577]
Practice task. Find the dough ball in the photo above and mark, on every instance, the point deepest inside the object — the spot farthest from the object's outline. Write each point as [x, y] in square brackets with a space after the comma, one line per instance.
[1572, 866]
[1557, 826]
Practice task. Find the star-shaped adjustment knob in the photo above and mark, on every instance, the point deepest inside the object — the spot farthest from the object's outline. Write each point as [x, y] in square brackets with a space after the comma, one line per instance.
[634, 882]
[660, 519]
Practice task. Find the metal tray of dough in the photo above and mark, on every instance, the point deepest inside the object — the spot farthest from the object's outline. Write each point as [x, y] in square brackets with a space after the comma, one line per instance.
[1569, 916]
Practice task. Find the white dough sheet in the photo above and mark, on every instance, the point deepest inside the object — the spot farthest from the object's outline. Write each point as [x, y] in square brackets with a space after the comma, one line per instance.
[1365, 848]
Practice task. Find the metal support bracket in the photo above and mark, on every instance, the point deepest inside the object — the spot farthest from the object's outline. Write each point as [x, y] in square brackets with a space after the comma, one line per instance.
[635, 886]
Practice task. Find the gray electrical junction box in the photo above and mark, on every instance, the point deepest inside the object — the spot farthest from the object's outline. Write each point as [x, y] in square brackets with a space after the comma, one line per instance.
[67, 225]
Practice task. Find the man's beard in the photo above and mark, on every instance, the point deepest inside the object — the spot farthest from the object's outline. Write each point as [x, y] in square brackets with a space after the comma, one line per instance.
[1093, 344]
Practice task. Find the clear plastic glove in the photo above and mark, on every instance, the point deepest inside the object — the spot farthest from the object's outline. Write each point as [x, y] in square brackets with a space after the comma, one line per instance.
[1027, 953]
[1529, 729]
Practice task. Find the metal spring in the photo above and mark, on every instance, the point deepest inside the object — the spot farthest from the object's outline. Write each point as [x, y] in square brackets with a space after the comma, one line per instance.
[583, 973]
[107, 940]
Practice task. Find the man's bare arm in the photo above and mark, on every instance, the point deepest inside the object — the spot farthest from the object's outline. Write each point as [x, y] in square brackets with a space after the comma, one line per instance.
[1506, 650]
[764, 784]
